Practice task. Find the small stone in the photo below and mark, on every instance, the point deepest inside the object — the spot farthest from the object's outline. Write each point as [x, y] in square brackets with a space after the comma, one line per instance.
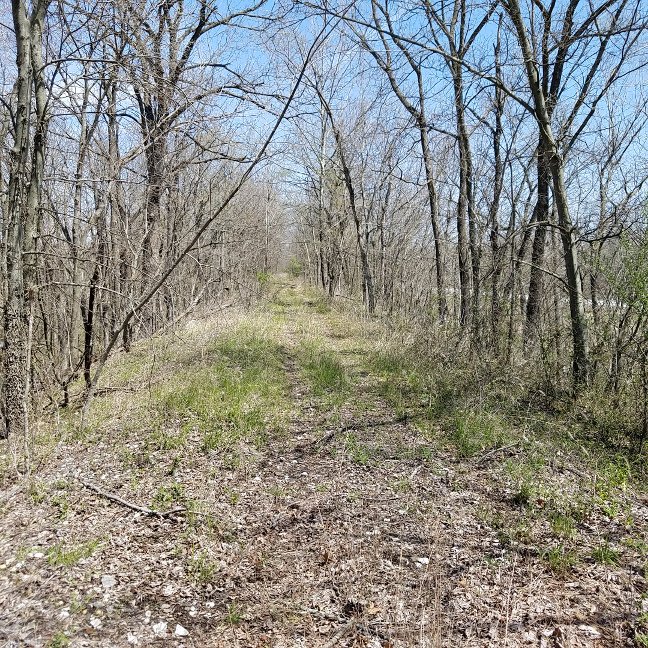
[422, 560]
[108, 581]
[95, 623]
[180, 631]
[159, 629]
[132, 639]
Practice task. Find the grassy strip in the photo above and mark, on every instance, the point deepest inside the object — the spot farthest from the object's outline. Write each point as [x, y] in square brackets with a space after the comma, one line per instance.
[240, 393]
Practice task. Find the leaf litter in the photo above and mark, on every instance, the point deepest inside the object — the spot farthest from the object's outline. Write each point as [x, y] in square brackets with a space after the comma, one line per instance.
[296, 542]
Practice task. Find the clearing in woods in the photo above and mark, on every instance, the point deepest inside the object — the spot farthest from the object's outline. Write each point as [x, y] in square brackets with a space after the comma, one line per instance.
[306, 479]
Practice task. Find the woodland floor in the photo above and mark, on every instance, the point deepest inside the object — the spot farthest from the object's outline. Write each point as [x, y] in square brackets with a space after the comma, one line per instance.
[319, 507]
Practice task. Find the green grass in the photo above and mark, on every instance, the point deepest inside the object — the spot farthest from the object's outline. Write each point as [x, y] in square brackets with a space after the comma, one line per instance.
[240, 395]
[323, 371]
[472, 432]
[559, 559]
[562, 525]
[234, 614]
[59, 640]
[277, 492]
[168, 495]
[604, 554]
[357, 451]
[167, 438]
[412, 382]
[62, 505]
[201, 568]
[612, 479]
[131, 366]
[61, 555]
[642, 639]
[37, 491]
[525, 493]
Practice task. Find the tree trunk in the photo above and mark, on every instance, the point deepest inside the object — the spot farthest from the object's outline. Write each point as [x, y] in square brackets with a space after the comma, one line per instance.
[22, 211]
[442, 304]
[466, 211]
[540, 221]
[567, 231]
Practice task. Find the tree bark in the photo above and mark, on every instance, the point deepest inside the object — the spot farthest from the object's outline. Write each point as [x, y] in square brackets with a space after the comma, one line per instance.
[540, 222]
[22, 209]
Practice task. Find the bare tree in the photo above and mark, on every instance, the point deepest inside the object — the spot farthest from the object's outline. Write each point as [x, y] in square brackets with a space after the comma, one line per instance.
[23, 202]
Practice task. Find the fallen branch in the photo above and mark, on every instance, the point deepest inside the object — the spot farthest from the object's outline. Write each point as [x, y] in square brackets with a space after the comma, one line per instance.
[109, 390]
[359, 426]
[134, 507]
[573, 471]
[491, 453]
[342, 632]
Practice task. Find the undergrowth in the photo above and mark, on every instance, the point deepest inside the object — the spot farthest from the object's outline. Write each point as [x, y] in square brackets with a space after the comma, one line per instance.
[562, 473]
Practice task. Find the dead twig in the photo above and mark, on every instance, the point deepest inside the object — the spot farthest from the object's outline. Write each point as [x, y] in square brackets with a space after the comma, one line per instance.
[141, 509]
[360, 426]
[573, 471]
[341, 632]
[491, 453]
[109, 390]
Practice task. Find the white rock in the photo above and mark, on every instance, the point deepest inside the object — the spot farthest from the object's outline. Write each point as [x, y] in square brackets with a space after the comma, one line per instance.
[159, 629]
[108, 581]
[590, 630]
[95, 623]
[132, 639]
[168, 590]
[422, 560]
[181, 632]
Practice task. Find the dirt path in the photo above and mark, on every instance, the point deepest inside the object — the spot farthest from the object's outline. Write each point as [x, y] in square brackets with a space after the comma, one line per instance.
[321, 516]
